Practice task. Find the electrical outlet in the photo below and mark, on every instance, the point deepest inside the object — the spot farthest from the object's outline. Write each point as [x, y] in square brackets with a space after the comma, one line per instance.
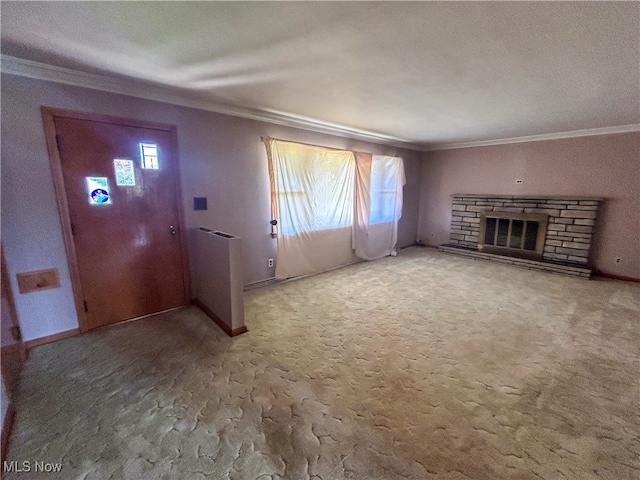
[271, 262]
[519, 181]
[618, 260]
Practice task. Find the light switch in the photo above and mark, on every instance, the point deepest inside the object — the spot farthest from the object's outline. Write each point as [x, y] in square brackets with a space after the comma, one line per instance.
[38, 280]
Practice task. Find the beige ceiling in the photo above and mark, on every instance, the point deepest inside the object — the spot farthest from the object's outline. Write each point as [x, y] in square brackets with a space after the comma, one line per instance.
[428, 73]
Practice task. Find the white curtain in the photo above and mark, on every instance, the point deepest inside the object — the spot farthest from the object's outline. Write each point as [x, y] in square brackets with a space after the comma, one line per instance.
[379, 183]
[314, 199]
[332, 206]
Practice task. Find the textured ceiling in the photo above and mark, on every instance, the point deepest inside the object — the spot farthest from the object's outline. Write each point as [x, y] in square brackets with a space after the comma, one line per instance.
[428, 73]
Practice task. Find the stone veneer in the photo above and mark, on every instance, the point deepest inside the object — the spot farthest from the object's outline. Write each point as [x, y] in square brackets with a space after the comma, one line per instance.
[569, 230]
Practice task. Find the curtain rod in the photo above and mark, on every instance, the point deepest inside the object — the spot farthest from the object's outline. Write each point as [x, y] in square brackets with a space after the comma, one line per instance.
[317, 146]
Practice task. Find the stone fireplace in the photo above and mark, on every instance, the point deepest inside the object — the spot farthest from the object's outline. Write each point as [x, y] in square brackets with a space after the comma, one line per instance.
[537, 232]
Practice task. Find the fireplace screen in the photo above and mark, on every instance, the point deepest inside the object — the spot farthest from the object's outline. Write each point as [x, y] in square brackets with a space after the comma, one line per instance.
[514, 234]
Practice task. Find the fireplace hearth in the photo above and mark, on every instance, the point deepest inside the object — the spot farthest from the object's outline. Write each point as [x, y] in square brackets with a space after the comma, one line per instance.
[551, 233]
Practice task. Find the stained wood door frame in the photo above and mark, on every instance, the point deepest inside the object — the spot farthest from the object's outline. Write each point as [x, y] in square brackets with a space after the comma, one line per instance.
[13, 312]
[49, 115]
[10, 383]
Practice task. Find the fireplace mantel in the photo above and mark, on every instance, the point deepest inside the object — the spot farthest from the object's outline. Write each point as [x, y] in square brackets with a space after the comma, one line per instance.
[569, 229]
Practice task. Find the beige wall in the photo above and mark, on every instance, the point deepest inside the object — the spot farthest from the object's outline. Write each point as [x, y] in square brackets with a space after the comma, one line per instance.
[604, 165]
[221, 157]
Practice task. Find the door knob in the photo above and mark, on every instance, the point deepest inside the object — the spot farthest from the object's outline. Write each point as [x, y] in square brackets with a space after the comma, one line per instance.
[172, 230]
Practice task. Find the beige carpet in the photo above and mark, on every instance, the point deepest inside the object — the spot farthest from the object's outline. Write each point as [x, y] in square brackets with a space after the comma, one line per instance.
[421, 366]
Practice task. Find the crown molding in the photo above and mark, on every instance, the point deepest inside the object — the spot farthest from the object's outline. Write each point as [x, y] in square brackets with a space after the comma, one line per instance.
[175, 96]
[635, 127]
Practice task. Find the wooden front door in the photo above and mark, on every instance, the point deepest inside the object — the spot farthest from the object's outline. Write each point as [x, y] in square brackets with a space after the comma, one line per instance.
[121, 187]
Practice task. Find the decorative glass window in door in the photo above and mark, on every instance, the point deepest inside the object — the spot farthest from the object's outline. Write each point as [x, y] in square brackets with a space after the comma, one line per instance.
[149, 155]
[125, 172]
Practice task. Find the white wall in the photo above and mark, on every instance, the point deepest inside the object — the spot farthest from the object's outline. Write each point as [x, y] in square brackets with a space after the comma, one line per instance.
[221, 157]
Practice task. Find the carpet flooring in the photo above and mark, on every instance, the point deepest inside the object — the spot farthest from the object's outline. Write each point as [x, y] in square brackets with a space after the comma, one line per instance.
[416, 367]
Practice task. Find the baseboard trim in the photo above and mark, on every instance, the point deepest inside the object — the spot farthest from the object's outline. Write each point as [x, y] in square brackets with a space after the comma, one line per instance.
[7, 428]
[237, 331]
[421, 244]
[225, 328]
[616, 277]
[36, 342]
[260, 284]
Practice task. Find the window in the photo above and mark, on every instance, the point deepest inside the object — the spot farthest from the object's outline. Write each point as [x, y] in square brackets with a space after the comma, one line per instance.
[314, 188]
[125, 172]
[332, 206]
[98, 190]
[383, 189]
[149, 155]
